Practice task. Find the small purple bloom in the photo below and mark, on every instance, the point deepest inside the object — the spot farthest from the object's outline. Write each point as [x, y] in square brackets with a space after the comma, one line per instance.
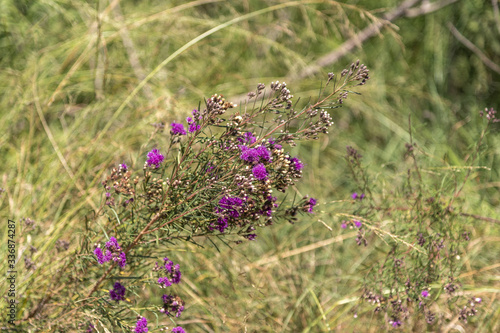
[173, 273]
[357, 223]
[178, 329]
[100, 256]
[90, 329]
[141, 326]
[155, 158]
[112, 253]
[396, 323]
[230, 206]
[312, 203]
[193, 127]
[108, 194]
[189, 120]
[178, 128]
[124, 166]
[343, 225]
[297, 164]
[259, 171]
[478, 300]
[247, 138]
[425, 293]
[251, 237]
[354, 196]
[118, 292]
[362, 196]
[173, 305]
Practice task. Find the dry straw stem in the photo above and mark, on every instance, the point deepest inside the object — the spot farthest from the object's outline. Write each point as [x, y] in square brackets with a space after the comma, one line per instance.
[468, 44]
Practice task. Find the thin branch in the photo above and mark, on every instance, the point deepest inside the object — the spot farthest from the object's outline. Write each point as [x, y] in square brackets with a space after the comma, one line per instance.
[468, 44]
[428, 7]
[357, 40]
[496, 13]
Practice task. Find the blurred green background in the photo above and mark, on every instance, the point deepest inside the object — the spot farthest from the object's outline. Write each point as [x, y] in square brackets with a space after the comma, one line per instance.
[72, 106]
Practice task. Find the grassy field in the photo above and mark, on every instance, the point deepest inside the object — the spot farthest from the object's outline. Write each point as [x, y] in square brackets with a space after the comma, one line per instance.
[82, 83]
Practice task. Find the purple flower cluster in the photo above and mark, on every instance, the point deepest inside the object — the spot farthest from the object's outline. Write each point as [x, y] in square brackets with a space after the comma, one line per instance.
[312, 202]
[178, 329]
[118, 292]
[355, 196]
[193, 127]
[173, 273]
[155, 158]
[247, 138]
[297, 164]
[230, 206]
[259, 172]
[141, 326]
[177, 129]
[173, 305]
[113, 252]
[255, 155]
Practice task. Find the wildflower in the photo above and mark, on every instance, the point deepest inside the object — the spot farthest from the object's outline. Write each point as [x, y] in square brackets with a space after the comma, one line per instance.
[259, 171]
[395, 323]
[230, 206]
[90, 329]
[478, 300]
[177, 129]
[141, 326]
[354, 195]
[118, 292]
[173, 273]
[357, 223]
[155, 158]
[297, 164]
[124, 166]
[251, 236]
[255, 154]
[172, 305]
[247, 138]
[112, 253]
[312, 202]
[193, 127]
[425, 293]
[178, 329]
[343, 225]
[221, 224]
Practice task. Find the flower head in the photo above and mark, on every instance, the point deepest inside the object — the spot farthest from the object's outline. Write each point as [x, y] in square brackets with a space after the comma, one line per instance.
[141, 326]
[178, 329]
[177, 129]
[173, 305]
[259, 171]
[118, 292]
[310, 205]
[124, 166]
[357, 223]
[113, 252]
[155, 158]
[172, 272]
[425, 293]
[297, 164]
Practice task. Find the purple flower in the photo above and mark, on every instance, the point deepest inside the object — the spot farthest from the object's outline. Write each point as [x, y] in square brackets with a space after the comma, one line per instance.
[297, 164]
[396, 323]
[247, 138]
[357, 223]
[141, 326]
[343, 225]
[362, 196]
[255, 154]
[90, 329]
[155, 158]
[193, 127]
[354, 196]
[230, 206]
[173, 273]
[178, 329]
[118, 292]
[173, 305]
[259, 171]
[251, 237]
[312, 202]
[124, 166]
[113, 252]
[425, 293]
[221, 224]
[478, 300]
[178, 128]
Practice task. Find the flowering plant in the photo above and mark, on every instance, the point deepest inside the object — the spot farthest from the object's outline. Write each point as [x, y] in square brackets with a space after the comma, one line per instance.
[222, 177]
